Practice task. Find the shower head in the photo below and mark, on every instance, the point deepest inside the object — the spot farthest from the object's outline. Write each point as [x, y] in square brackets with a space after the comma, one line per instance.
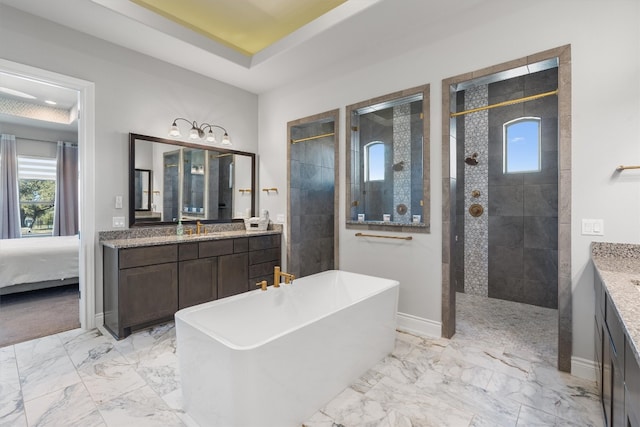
[472, 161]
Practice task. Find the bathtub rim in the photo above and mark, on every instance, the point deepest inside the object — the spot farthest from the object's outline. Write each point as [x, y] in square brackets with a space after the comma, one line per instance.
[181, 315]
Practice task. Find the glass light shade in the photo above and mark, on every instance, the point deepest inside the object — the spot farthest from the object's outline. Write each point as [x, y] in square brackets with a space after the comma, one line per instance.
[193, 133]
[211, 137]
[174, 131]
[226, 140]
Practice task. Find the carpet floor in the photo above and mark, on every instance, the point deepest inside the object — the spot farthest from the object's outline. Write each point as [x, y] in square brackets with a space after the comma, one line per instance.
[34, 314]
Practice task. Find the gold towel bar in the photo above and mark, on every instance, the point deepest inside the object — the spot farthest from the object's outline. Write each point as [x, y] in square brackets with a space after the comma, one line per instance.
[621, 167]
[295, 141]
[504, 103]
[384, 237]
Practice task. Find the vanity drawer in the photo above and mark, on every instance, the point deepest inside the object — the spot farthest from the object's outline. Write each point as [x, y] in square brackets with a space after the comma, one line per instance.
[264, 242]
[240, 245]
[257, 257]
[149, 255]
[187, 251]
[215, 248]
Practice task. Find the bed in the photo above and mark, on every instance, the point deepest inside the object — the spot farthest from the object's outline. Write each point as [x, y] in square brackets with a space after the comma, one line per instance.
[38, 262]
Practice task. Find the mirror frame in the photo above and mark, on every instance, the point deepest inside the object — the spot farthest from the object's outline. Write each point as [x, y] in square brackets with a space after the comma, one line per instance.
[149, 190]
[132, 161]
[425, 225]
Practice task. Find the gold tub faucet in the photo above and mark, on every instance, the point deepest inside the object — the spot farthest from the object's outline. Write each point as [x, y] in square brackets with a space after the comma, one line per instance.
[277, 275]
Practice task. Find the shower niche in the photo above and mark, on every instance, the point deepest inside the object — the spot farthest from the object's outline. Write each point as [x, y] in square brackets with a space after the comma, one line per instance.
[387, 162]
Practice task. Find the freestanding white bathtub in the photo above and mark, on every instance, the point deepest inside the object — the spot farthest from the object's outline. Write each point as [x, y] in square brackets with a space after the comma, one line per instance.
[272, 359]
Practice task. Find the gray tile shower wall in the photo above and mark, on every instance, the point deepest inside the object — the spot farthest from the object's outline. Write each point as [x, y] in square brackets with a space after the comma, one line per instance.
[523, 207]
[312, 201]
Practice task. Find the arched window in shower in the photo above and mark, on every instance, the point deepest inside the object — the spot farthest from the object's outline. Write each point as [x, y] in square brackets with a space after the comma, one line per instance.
[521, 145]
[374, 161]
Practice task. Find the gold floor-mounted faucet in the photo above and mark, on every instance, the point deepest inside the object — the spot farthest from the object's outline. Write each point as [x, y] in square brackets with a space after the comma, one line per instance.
[277, 275]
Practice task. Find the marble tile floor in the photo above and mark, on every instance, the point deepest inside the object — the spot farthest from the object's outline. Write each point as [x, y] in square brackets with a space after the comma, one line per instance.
[498, 370]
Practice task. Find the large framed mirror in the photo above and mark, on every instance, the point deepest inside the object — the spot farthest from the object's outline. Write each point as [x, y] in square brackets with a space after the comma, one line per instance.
[388, 162]
[188, 182]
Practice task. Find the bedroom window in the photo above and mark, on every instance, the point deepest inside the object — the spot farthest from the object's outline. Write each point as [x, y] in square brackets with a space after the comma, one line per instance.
[37, 188]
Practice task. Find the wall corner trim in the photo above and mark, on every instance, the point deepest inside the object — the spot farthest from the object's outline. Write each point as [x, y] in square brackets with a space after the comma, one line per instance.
[583, 368]
[99, 319]
[419, 326]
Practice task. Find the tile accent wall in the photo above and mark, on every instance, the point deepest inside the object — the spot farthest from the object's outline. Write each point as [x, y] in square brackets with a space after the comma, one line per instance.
[476, 236]
[402, 153]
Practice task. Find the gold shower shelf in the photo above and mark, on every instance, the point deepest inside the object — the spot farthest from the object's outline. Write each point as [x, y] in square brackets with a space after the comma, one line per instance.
[622, 167]
[384, 237]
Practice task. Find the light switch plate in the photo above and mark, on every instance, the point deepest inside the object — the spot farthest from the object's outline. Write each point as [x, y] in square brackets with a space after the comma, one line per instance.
[592, 227]
[118, 222]
[118, 202]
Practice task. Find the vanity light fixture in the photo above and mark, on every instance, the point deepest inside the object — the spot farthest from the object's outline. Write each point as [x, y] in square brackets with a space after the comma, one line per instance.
[202, 131]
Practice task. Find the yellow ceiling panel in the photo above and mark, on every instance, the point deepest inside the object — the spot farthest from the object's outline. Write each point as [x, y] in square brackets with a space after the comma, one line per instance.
[245, 25]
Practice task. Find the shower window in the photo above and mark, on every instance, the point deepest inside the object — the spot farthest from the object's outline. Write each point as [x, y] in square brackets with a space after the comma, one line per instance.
[521, 145]
[374, 161]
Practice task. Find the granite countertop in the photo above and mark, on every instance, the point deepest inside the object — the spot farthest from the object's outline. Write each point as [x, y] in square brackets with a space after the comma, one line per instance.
[619, 267]
[134, 242]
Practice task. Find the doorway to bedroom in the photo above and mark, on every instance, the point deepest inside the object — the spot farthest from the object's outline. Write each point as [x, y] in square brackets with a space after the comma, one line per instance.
[39, 219]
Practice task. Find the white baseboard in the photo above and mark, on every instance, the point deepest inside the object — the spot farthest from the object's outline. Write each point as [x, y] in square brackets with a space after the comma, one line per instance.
[583, 368]
[99, 319]
[419, 326]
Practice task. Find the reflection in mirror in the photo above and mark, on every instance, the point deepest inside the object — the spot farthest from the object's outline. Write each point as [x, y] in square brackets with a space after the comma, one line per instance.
[313, 197]
[189, 182]
[143, 190]
[388, 163]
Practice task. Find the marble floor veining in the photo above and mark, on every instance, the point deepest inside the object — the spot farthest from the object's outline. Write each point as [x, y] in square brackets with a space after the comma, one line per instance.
[498, 370]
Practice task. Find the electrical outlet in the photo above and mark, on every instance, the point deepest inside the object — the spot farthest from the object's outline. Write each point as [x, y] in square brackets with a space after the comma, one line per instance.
[118, 202]
[118, 222]
[280, 218]
[592, 227]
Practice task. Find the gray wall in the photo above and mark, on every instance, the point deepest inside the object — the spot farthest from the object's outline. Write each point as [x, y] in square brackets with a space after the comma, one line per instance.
[133, 93]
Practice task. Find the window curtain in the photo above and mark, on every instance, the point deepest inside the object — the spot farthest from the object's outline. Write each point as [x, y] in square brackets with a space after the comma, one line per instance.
[65, 217]
[9, 194]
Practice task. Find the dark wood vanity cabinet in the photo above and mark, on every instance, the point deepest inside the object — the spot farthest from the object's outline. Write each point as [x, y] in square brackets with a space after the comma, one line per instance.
[140, 286]
[264, 254]
[146, 285]
[632, 388]
[617, 367]
[198, 276]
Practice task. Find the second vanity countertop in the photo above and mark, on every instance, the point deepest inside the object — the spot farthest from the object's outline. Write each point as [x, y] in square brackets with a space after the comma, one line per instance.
[619, 267]
[134, 242]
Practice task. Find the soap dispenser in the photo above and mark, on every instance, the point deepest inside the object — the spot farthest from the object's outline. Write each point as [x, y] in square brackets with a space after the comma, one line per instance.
[179, 228]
